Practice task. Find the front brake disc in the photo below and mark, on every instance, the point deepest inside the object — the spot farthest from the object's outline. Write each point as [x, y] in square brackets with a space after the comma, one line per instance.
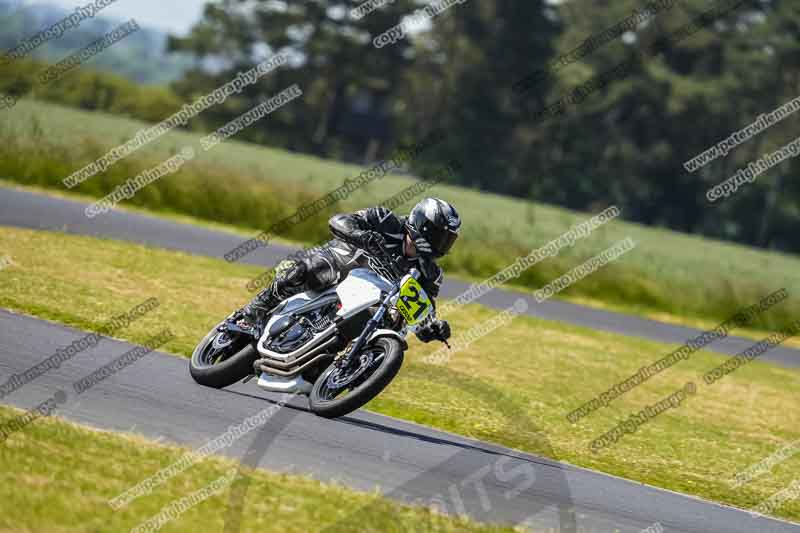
[339, 378]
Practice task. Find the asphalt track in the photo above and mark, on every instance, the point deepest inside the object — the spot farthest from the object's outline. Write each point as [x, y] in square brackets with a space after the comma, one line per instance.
[38, 211]
[156, 398]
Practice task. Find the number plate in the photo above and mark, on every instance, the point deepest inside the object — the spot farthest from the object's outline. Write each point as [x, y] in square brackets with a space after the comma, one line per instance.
[413, 303]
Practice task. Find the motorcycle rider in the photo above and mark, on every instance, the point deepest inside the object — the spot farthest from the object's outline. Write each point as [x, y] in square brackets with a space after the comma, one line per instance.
[414, 241]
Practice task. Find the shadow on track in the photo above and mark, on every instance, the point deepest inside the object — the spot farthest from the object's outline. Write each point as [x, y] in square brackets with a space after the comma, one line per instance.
[538, 486]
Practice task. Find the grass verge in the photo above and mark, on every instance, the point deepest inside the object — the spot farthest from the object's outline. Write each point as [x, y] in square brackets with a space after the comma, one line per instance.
[534, 368]
[636, 310]
[253, 187]
[58, 477]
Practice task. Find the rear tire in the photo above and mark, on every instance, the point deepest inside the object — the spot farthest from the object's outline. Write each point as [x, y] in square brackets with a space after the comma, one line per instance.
[366, 391]
[227, 372]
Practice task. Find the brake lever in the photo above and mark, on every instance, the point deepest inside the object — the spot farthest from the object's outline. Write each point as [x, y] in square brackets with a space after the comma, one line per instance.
[440, 338]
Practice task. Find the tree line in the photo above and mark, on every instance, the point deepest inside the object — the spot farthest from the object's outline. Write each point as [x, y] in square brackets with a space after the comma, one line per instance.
[577, 104]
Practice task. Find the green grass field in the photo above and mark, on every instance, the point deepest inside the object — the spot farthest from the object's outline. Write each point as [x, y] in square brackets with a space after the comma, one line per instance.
[58, 477]
[684, 277]
[513, 387]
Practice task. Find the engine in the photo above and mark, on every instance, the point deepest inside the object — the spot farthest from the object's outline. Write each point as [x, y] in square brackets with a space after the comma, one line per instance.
[291, 332]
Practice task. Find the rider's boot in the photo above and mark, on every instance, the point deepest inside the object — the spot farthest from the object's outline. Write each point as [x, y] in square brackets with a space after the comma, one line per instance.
[257, 310]
[289, 280]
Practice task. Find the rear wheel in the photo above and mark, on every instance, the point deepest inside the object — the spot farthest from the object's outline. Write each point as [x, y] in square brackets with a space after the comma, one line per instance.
[222, 359]
[340, 391]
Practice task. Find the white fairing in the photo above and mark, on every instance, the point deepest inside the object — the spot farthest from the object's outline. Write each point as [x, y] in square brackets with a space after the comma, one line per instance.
[360, 290]
[275, 383]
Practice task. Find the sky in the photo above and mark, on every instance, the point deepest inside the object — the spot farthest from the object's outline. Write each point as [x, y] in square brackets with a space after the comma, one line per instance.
[175, 16]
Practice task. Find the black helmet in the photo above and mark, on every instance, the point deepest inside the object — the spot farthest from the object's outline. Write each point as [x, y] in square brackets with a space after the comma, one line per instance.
[433, 225]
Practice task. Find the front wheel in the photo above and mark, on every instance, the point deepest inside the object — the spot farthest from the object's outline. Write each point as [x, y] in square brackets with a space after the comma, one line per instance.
[222, 359]
[340, 391]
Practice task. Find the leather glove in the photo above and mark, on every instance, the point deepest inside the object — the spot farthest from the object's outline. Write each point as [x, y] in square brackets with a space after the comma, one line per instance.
[422, 246]
[438, 330]
[444, 329]
[373, 242]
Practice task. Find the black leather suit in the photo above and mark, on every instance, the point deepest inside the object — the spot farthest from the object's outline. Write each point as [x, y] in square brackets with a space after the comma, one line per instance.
[330, 264]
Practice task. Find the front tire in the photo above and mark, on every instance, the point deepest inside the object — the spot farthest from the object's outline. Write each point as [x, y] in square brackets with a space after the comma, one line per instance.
[324, 405]
[233, 366]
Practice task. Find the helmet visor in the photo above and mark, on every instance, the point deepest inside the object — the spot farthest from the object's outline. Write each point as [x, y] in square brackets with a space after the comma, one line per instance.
[441, 240]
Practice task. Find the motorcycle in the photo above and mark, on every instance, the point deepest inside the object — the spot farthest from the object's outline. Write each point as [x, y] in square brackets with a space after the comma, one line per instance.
[341, 347]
